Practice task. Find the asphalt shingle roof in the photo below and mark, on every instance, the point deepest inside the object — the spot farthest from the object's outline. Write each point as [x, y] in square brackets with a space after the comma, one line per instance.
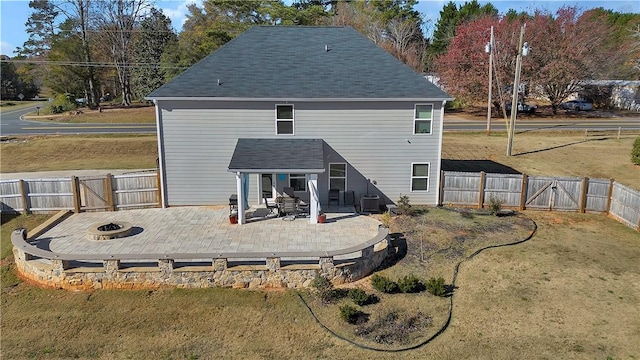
[284, 62]
[278, 155]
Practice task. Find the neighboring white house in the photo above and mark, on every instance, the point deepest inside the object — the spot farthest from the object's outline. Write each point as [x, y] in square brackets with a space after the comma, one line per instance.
[313, 108]
[625, 94]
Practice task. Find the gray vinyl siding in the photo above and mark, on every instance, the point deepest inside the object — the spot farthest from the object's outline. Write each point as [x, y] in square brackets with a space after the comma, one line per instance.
[375, 139]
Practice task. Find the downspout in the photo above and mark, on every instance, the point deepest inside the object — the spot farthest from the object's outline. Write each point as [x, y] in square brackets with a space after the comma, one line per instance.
[161, 166]
[439, 162]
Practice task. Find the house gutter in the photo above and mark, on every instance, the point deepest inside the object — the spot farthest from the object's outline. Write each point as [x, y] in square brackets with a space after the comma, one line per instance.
[274, 171]
[342, 99]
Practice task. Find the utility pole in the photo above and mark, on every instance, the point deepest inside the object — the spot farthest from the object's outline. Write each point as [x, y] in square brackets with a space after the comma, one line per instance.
[490, 48]
[516, 86]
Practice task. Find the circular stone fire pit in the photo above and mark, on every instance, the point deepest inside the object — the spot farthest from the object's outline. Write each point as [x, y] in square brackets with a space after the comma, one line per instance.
[112, 230]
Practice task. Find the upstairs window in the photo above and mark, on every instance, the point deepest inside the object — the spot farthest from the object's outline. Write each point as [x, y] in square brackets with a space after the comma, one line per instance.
[420, 177]
[423, 119]
[284, 119]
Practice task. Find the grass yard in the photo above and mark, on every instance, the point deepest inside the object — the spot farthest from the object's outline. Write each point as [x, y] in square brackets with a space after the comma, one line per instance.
[536, 153]
[569, 293]
[74, 152]
[543, 153]
[17, 105]
[109, 115]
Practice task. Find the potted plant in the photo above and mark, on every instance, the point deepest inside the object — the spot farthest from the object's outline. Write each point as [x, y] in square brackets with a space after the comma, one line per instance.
[322, 217]
[233, 218]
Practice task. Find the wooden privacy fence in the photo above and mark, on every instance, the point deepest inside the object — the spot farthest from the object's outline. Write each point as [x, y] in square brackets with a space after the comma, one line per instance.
[542, 192]
[109, 192]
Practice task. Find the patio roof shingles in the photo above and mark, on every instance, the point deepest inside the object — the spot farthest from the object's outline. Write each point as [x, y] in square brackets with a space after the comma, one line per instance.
[278, 156]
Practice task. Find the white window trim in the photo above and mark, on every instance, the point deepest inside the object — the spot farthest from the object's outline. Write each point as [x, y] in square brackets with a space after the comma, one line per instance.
[338, 177]
[304, 177]
[415, 108]
[419, 177]
[293, 112]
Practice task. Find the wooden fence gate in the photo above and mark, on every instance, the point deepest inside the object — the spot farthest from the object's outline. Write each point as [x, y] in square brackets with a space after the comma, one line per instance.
[95, 193]
[553, 193]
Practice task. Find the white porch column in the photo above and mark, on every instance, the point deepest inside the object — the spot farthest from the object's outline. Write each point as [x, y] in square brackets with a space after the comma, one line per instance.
[240, 193]
[314, 198]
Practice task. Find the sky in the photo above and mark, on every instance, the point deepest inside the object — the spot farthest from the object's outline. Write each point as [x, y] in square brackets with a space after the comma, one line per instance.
[14, 13]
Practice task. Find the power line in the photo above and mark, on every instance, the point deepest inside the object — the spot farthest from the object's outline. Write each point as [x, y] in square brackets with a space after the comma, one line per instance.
[93, 64]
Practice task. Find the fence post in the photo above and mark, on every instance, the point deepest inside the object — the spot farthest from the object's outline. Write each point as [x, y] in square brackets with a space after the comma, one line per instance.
[523, 192]
[609, 195]
[483, 177]
[159, 188]
[583, 194]
[441, 190]
[108, 192]
[75, 189]
[24, 196]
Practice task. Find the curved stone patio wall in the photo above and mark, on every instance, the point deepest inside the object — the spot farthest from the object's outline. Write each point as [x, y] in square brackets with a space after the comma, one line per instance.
[52, 270]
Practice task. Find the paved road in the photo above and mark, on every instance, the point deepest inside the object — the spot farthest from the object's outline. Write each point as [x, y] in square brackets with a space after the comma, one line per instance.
[12, 123]
[525, 124]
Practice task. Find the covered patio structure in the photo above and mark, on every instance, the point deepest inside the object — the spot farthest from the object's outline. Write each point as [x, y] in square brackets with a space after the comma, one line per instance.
[278, 156]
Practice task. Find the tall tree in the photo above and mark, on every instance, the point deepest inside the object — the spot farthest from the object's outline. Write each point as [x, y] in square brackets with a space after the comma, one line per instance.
[155, 36]
[391, 24]
[568, 50]
[80, 12]
[68, 73]
[13, 83]
[41, 26]
[565, 50]
[117, 22]
[451, 16]
[213, 24]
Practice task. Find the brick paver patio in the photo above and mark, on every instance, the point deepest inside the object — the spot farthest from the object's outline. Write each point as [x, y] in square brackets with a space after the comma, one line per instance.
[207, 230]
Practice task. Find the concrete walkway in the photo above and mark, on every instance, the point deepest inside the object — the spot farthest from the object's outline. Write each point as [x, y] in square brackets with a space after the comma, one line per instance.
[207, 230]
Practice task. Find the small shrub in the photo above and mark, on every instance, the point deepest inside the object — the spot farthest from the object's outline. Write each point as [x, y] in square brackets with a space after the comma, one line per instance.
[410, 284]
[495, 204]
[360, 297]
[62, 103]
[404, 207]
[385, 219]
[436, 286]
[323, 287]
[635, 152]
[352, 315]
[384, 284]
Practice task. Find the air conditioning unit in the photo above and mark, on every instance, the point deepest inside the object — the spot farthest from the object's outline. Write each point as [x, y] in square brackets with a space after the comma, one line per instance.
[369, 203]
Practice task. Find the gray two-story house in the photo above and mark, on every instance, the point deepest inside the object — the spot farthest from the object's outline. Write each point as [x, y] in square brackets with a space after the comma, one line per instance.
[308, 108]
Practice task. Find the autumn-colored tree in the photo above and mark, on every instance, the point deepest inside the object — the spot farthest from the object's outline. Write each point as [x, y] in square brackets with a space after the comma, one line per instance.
[566, 48]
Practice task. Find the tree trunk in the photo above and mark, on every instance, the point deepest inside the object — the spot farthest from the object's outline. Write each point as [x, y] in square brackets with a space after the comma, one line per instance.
[83, 12]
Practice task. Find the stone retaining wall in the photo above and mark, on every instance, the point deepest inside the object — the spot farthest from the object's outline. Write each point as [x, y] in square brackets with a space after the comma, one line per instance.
[56, 273]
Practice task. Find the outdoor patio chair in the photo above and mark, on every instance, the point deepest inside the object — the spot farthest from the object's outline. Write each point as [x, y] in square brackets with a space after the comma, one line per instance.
[290, 206]
[334, 195]
[271, 208]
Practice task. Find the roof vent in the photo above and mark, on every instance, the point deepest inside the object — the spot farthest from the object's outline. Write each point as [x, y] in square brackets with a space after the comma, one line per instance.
[326, 48]
[219, 82]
